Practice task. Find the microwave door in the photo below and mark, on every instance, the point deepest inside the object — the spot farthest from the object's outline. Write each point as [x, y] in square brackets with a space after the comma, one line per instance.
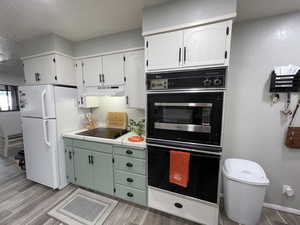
[187, 117]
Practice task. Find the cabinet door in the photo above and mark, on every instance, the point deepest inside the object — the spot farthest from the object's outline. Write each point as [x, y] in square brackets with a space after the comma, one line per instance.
[69, 164]
[135, 79]
[103, 172]
[40, 70]
[205, 45]
[65, 70]
[92, 70]
[164, 51]
[83, 168]
[113, 69]
[79, 77]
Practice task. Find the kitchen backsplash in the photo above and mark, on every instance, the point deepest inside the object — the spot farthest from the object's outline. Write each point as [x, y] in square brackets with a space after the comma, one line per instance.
[115, 104]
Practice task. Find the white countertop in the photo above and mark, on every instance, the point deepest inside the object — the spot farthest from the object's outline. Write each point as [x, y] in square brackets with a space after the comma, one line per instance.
[123, 140]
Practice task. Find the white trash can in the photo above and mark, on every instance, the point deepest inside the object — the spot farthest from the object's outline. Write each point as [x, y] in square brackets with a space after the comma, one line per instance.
[245, 185]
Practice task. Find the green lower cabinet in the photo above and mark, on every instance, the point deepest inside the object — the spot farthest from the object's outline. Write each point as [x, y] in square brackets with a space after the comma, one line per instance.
[83, 168]
[131, 194]
[91, 165]
[70, 173]
[94, 170]
[103, 173]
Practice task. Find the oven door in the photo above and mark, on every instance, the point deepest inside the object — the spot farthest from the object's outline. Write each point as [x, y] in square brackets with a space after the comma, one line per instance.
[203, 173]
[189, 118]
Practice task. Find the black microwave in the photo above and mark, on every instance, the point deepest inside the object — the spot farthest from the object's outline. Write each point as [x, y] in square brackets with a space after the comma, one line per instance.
[186, 119]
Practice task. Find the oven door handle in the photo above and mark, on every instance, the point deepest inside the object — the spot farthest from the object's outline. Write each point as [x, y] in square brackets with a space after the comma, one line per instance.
[183, 127]
[182, 104]
[194, 153]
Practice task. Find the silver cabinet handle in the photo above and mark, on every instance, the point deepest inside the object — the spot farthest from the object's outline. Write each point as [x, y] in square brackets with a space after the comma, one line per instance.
[100, 79]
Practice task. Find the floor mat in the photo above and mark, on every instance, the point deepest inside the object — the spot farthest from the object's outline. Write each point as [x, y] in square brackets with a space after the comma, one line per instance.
[83, 208]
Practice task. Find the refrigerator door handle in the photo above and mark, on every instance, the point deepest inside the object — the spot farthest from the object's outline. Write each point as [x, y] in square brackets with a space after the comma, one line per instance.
[46, 133]
[43, 95]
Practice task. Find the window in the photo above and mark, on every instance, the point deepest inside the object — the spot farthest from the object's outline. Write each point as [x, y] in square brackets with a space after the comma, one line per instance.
[9, 98]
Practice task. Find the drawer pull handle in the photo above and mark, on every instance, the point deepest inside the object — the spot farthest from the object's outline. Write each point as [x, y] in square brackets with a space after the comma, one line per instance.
[129, 165]
[130, 180]
[178, 205]
[129, 152]
[129, 194]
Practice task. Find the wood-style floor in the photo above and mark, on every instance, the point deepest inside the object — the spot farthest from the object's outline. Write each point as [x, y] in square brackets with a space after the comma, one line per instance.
[23, 202]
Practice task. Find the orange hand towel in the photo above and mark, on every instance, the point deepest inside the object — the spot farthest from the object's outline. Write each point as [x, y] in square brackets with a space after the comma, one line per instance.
[179, 168]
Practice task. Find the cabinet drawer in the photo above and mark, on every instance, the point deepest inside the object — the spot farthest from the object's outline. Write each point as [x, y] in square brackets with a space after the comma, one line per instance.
[68, 141]
[130, 152]
[130, 180]
[186, 208]
[131, 194]
[130, 164]
[100, 147]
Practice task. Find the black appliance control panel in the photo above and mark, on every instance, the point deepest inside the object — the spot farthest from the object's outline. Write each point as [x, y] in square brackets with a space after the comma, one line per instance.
[208, 78]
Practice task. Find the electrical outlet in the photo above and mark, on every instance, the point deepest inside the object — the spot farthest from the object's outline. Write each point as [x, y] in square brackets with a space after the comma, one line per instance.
[288, 191]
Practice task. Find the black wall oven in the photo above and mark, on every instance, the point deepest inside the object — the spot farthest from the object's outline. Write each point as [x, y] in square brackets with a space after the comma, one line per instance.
[185, 109]
[184, 129]
[203, 173]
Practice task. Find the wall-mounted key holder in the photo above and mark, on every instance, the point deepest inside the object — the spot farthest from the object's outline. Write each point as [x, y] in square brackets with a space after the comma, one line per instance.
[285, 83]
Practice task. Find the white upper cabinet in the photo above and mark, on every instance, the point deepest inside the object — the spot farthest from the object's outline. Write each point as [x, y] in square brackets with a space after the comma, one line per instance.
[113, 75]
[40, 70]
[197, 47]
[103, 71]
[113, 69]
[65, 71]
[205, 45]
[92, 71]
[164, 51]
[135, 79]
[49, 69]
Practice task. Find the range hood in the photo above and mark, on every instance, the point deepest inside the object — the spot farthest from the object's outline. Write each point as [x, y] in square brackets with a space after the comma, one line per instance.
[105, 91]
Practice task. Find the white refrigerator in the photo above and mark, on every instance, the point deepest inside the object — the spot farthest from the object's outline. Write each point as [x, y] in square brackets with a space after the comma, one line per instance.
[47, 112]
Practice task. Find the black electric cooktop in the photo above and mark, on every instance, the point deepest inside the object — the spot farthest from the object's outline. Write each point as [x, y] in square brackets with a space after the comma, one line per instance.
[110, 133]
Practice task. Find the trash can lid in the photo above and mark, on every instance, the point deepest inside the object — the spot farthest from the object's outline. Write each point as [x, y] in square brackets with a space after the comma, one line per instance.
[245, 171]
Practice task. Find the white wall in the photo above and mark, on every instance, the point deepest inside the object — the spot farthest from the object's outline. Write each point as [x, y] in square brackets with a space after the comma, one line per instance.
[11, 73]
[115, 104]
[255, 129]
[115, 42]
[11, 121]
[13, 76]
[45, 43]
[180, 12]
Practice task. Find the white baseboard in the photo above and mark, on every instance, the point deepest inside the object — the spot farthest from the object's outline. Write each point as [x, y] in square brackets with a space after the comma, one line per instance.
[276, 207]
[282, 208]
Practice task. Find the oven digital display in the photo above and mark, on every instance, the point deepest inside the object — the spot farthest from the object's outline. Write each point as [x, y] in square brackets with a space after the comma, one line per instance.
[159, 84]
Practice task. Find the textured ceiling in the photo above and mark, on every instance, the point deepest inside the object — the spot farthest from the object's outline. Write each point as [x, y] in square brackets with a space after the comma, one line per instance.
[73, 19]
[84, 19]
